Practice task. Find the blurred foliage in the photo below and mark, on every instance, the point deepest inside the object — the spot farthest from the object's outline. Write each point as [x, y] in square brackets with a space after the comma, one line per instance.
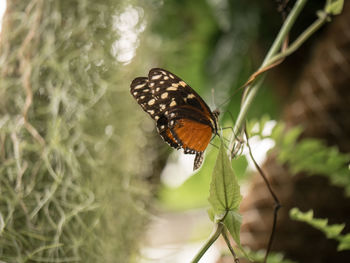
[331, 231]
[308, 155]
[311, 156]
[186, 29]
[274, 257]
[334, 7]
[69, 187]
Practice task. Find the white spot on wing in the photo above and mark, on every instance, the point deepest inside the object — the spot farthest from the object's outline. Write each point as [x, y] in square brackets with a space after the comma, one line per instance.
[173, 103]
[156, 77]
[164, 95]
[151, 102]
[172, 88]
[139, 86]
[183, 84]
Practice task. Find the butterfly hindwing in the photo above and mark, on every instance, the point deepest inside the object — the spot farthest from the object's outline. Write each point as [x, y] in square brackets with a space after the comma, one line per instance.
[165, 132]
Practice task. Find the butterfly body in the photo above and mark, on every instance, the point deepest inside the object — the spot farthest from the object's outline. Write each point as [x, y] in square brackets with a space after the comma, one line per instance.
[183, 119]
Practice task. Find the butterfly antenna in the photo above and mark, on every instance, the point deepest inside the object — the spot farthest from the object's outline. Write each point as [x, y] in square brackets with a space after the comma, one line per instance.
[213, 97]
[240, 141]
[230, 97]
[230, 127]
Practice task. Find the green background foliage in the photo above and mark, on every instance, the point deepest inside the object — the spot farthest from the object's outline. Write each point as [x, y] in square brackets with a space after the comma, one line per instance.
[330, 231]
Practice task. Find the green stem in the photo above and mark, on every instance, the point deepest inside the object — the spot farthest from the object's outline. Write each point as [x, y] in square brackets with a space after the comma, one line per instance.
[252, 91]
[298, 7]
[228, 243]
[323, 17]
[216, 233]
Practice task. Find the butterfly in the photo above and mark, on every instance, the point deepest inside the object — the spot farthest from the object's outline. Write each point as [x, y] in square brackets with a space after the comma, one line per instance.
[182, 117]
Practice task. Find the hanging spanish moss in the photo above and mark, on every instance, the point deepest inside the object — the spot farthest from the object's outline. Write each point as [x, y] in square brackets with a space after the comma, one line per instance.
[67, 184]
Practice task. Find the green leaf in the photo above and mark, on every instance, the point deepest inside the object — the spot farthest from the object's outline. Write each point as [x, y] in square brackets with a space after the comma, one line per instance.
[296, 214]
[256, 127]
[211, 214]
[224, 189]
[291, 136]
[274, 257]
[239, 166]
[311, 156]
[331, 231]
[344, 242]
[277, 132]
[225, 196]
[233, 221]
[334, 7]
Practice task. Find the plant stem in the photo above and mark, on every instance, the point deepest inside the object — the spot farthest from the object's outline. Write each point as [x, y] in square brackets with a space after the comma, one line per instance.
[298, 7]
[251, 92]
[227, 240]
[323, 17]
[216, 233]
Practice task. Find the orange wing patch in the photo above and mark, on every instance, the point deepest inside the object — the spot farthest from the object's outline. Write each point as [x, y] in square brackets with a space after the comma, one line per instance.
[170, 136]
[193, 135]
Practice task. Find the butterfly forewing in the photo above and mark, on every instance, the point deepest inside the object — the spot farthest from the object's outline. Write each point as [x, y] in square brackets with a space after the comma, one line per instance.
[170, 87]
[143, 95]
